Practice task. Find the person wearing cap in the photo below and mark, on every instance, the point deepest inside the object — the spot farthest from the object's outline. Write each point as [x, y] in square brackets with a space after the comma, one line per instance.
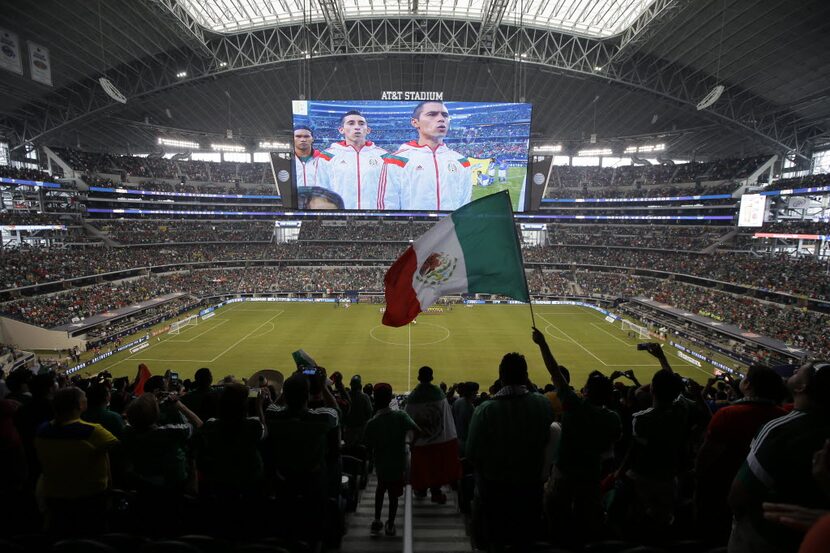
[435, 460]
[354, 422]
[779, 466]
[386, 434]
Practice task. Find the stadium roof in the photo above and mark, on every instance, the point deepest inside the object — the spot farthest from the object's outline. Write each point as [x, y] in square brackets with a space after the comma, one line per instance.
[591, 18]
[641, 85]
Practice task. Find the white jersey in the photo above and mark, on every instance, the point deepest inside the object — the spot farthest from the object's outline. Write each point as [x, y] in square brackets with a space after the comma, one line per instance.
[353, 174]
[306, 168]
[418, 177]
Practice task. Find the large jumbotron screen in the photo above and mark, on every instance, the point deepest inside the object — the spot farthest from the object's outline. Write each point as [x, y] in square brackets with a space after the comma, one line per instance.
[407, 156]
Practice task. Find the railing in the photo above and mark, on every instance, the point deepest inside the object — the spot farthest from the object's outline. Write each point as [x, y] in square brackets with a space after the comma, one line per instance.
[407, 506]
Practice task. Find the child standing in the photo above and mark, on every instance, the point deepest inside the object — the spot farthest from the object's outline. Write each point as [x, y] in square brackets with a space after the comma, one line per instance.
[386, 435]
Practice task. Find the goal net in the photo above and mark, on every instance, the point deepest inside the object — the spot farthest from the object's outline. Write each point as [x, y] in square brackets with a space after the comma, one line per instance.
[177, 326]
[637, 330]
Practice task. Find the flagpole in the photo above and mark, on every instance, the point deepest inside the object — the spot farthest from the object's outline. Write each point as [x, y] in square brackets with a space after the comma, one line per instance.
[521, 258]
[409, 357]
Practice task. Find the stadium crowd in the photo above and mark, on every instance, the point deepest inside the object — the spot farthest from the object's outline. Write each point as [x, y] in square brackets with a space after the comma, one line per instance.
[24, 173]
[807, 181]
[690, 238]
[804, 276]
[629, 192]
[92, 163]
[72, 305]
[160, 230]
[609, 178]
[793, 325]
[666, 462]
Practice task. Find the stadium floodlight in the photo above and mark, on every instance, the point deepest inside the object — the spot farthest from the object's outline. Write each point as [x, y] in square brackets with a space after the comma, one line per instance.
[178, 143]
[645, 149]
[227, 148]
[594, 152]
[711, 98]
[270, 145]
[552, 148]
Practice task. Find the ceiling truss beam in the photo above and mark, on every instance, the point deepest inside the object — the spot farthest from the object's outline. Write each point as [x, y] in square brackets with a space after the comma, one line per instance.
[259, 49]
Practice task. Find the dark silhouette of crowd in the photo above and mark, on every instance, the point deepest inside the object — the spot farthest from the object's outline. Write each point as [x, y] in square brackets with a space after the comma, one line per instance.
[610, 462]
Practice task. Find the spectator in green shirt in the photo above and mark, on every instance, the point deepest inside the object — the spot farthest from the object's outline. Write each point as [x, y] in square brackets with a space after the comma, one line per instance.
[386, 434]
[506, 445]
[98, 399]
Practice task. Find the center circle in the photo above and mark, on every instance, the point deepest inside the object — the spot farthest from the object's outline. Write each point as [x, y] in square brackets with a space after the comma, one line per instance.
[415, 342]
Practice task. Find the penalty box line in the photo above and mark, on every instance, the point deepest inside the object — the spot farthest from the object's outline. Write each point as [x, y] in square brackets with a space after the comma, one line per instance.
[213, 327]
[166, 339]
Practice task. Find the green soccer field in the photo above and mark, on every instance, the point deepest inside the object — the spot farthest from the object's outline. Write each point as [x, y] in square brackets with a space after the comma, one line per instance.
[515, 178]
[466, 343]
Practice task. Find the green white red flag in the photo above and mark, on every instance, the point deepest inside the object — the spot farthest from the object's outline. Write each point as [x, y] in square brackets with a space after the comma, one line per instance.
[473, 250]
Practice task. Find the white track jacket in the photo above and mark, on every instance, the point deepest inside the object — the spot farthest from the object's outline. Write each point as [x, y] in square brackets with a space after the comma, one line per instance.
[416, 177]
[352, 174]
[305, 168]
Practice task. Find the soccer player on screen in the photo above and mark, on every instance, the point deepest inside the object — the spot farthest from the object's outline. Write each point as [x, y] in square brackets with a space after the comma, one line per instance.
[352, 166]
[425, 174]
[306, 158]
[503, 170]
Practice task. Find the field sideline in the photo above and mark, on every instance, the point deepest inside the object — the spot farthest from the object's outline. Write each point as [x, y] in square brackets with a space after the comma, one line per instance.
[464, 344]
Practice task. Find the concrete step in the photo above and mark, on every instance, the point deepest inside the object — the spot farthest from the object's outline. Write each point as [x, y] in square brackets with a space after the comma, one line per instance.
[436, 528]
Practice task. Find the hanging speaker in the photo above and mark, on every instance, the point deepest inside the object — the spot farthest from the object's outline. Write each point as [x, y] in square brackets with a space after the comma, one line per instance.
[711, 98]
[111, 90]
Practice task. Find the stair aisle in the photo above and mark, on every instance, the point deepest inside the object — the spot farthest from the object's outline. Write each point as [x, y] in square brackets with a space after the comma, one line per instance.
[357, 538]
[436, 528]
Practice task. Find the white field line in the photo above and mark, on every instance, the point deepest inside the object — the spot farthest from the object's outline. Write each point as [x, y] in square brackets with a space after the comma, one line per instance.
[586, 350]
[272, 329]
[246, 337]
[171, 360]
[220, 323]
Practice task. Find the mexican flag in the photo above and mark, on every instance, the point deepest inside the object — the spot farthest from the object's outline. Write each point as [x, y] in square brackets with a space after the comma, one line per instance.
[473, 250]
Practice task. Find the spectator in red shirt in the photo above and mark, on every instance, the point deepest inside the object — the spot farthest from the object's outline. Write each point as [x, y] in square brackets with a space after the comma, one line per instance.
[726, 445]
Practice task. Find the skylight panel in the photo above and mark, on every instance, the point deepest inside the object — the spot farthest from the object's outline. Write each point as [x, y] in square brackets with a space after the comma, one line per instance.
[590, 18]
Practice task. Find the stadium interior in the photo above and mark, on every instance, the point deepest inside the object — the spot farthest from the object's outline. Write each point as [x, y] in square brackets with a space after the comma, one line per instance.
[671, 193]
